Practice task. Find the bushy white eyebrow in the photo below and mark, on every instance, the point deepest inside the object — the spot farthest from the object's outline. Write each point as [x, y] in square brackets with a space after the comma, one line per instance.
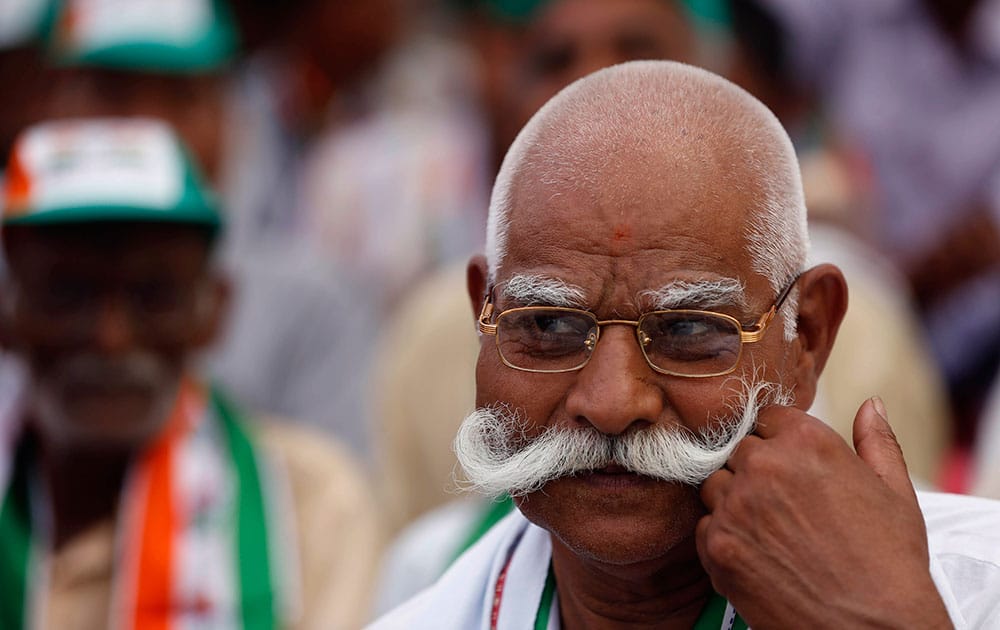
[528, 289]
[698, 294]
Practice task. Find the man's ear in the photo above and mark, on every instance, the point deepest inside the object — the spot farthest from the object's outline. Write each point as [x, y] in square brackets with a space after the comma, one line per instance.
[476, 279]
[822, 303]
[212, 311]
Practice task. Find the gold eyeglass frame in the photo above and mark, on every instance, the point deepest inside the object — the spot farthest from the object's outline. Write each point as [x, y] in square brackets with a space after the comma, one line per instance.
[748, 334]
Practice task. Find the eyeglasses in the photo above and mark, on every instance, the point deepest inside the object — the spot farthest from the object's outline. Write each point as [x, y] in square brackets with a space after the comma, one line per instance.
[679, 342]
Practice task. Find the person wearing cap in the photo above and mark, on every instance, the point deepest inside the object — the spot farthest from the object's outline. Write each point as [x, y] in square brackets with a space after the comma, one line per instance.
[297, 339]
[132, 494]
[530, 49]
[153, 58]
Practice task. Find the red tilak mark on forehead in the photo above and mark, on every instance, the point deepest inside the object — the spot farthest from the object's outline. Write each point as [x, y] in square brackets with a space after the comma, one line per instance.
[620, 236]
[621, 233]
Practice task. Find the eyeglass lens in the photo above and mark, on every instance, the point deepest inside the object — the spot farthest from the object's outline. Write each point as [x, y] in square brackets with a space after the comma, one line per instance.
[690, 342]
[681, 342]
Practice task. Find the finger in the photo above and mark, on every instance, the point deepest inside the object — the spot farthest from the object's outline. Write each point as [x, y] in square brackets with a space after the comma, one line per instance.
[701, 538]
[746, 446]
[713, 489]
[876, 445]
[702, 533]
[777, 419]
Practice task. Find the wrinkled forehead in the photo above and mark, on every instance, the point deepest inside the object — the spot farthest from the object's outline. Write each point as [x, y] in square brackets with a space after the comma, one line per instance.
[619, 210]
[647, 169]
[690, 146]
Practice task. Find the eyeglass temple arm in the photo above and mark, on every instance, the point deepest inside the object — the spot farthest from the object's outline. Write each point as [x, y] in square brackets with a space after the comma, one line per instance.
[485, 327]
[757, 330]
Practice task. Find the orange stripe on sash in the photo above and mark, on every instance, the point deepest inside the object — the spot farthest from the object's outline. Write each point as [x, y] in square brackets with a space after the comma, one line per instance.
[159, 521]
[155, 576]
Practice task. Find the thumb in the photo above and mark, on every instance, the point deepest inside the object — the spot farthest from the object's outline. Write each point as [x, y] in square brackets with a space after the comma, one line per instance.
[876, 445]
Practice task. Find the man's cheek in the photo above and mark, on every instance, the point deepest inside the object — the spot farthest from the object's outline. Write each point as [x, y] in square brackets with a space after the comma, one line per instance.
[497, 383]
[697, 403]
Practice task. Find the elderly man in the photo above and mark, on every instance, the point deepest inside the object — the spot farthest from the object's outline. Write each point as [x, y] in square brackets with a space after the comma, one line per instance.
[650, 340]
[132, 494]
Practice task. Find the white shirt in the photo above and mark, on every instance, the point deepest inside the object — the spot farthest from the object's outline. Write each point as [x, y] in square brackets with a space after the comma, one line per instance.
[963, 538]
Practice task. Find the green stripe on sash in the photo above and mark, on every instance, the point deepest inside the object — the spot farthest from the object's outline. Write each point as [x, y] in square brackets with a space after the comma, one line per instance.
[711, 618]
[256, 589]
[714, 613]
[711, 614]
[15, 544]
[490, 516]
[545, 604]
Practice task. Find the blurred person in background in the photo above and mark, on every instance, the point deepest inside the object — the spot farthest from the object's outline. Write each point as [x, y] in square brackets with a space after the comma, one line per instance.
[359, 142]
[165, 60]
[295, 343]
[351, 167]
[529, 50]
[909, 90]
[21, 65]
[133, 494]
[986, 465]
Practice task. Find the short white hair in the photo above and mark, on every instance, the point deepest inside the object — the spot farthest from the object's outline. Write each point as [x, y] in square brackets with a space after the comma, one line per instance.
[672, 107]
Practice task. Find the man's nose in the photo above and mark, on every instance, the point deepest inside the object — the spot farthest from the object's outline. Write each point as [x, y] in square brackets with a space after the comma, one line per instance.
[617, 388]
[113, 328]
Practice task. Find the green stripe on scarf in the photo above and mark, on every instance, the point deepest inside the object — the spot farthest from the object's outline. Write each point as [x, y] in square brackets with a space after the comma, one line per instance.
[713, 613]
[545, 604]
[490, 515]
[257, 591]
[15, 543]
[711, 617]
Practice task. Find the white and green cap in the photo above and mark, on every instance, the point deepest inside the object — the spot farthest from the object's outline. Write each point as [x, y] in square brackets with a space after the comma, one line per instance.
[21, 21]
[171, 36]
[105, 169]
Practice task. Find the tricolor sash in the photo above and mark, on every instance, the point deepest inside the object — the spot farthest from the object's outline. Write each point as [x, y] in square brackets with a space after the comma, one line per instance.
[198, 541]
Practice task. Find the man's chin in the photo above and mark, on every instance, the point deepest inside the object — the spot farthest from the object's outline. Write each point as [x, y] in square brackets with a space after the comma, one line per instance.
[102, 421]
[617, 519]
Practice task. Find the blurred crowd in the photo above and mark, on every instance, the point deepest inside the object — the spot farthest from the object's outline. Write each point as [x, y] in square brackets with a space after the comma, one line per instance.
[352, 145]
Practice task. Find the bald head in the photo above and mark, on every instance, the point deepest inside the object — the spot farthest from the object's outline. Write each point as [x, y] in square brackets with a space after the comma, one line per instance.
[656, 125]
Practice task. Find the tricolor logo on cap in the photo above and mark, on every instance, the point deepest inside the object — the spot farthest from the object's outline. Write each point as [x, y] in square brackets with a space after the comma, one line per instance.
[122, 169]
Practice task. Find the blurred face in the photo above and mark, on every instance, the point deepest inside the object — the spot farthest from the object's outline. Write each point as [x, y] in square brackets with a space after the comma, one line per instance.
[346, 38]
[627, 227]
[192, 104]
[572, 38]
[106, 317]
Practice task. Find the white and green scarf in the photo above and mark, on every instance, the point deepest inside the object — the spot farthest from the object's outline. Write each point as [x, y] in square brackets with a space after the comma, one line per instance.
[199, 541]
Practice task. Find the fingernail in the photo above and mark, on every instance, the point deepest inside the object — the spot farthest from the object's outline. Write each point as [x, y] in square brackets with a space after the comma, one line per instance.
[880, 408]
